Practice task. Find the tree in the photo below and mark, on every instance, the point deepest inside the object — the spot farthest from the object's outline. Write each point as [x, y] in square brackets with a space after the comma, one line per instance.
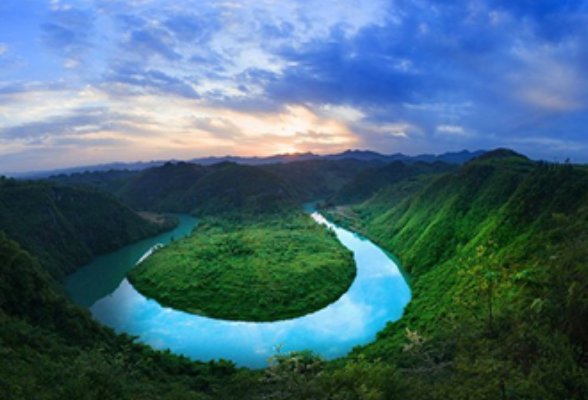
[484, 273]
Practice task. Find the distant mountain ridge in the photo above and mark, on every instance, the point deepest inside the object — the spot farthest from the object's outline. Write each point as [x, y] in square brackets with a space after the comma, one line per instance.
[460, 157]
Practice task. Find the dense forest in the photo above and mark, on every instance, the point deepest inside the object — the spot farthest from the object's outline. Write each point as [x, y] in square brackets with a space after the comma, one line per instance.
[64, 227]
[495, 249]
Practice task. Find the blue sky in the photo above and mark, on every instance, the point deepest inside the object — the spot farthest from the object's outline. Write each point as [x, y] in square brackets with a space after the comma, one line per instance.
[94, 81]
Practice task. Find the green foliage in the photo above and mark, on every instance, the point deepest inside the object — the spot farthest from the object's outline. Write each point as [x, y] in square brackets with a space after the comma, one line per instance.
[480, 276]
[497, 253]
[162, 188]
[52, 349]
[319, 179]
[369, 181]
[428, 227]
[305, 375]
[294, 375]
[107, 181]
[232, 189]
[65, 226]
[264, 270]
[225, 189]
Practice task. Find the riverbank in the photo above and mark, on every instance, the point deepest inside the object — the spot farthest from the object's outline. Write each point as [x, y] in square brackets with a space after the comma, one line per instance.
[378, 295]
[268, 270]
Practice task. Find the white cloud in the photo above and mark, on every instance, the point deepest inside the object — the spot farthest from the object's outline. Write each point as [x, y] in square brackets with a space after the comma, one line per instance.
[343, 112]
[71, 63]
[400, 130]
[454, 130]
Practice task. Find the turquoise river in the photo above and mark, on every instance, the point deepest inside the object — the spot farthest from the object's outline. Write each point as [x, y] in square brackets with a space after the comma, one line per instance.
[378, 295]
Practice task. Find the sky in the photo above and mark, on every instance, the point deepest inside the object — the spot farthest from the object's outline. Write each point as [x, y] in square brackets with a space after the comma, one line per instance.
[94, 81]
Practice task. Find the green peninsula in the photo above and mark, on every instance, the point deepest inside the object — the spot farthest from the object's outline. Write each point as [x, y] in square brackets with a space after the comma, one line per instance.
[264, 270]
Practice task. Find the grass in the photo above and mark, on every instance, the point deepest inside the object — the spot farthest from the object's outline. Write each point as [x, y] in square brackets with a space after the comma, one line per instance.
[266, 270]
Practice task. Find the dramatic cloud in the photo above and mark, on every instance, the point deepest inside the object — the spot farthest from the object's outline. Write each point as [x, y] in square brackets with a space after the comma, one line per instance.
[112, 80]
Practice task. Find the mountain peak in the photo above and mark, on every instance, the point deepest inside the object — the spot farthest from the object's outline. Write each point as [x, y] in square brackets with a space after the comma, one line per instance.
[499, 153]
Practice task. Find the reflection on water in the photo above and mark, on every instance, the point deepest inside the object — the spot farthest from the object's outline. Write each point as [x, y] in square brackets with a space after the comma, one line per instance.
[378, 294]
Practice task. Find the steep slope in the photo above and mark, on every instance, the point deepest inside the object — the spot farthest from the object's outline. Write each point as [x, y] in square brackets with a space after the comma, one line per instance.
[232, 189]
[224, 188]
[53, 350]
[319, 179]
[451, 211]
[65, 226]
[369, 181]
[162, 188]
[496, 251]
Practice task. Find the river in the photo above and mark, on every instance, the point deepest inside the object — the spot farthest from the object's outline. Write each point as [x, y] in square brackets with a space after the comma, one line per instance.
[378, 295]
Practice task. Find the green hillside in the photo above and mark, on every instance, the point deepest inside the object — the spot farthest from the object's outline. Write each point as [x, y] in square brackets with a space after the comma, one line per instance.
[368, 182]
[319, 179]
[65, 226]
[161, 188]
[496, 254]
[240, 189]
[224, 188]
[108, 181]
[164, 186]
[53, 350]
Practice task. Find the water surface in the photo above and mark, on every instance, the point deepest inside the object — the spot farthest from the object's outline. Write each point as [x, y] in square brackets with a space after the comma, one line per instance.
[378, 295]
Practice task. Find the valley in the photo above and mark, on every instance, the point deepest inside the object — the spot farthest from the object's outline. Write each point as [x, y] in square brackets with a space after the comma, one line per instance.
[494, 249]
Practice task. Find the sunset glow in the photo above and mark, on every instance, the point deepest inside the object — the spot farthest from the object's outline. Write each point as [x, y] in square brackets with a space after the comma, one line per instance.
[95, 81]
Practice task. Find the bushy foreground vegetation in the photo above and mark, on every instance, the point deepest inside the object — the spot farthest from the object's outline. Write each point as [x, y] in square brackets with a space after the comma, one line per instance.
[52, 349]
[263, 270]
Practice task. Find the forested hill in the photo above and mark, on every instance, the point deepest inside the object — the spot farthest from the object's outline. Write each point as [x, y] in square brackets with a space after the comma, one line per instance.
[221, 189]
[320, 179]
[497, 254]
[369, 181]
[172, 186]
[65, 226]
[162, 187]
[178, 186]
